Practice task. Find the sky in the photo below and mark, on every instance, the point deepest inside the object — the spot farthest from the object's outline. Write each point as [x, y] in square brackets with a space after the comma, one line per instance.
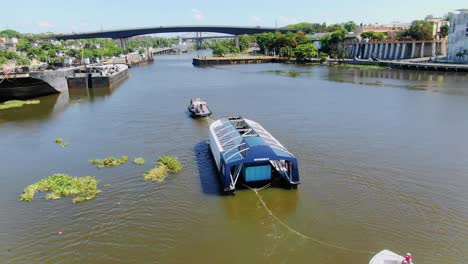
[35, 16]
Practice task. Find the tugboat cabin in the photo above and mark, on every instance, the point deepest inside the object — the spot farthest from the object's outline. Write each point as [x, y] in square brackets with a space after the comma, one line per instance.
[245, 153]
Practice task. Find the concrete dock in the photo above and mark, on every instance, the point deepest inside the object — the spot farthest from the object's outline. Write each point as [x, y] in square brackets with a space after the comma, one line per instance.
[420, 65]
[202, 61]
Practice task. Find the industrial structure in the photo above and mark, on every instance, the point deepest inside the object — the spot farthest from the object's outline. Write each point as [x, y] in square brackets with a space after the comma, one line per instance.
[458, 37]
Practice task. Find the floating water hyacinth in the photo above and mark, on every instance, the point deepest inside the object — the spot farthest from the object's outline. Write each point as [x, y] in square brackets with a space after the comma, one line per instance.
[173, 165]
[158, 174]
[63, 185]
[139, 161]
[17, 103]
[61, 142]
[164, 165]
[109, 162]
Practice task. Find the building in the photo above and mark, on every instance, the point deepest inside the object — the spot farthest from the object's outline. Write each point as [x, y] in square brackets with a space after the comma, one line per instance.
[8, 44]
[458, 37]
[438, 23]
[390, 30]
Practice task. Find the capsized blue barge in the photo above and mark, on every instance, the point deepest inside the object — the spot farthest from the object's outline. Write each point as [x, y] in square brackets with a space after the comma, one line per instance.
[245, 152]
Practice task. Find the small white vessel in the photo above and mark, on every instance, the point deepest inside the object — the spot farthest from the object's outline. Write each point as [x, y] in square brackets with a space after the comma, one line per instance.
[387, 257]
[198, 108]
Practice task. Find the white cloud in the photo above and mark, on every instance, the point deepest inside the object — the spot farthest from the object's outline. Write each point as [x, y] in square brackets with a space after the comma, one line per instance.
[45, 24]
[197, 14]
[290, 20]
[256, 19]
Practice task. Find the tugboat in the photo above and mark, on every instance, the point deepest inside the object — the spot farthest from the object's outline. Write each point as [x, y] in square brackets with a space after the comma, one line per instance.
[198, 108]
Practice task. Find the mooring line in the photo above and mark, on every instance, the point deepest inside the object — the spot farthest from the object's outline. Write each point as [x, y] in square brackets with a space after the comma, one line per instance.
[292, 230]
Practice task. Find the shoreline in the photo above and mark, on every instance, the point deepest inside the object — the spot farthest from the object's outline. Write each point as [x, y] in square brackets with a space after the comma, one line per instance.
[359, 64]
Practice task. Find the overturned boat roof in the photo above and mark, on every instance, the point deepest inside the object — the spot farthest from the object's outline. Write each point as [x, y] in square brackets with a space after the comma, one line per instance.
[236, 141]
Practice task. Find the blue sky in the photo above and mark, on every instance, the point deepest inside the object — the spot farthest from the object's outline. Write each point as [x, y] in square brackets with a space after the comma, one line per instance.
[88, 15]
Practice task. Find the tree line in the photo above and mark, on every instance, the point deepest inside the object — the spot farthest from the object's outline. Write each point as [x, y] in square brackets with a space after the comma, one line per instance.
[33, 46]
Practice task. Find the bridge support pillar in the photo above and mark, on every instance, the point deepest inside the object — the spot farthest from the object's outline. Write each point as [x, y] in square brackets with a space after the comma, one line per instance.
[122, 43]
[236, 39]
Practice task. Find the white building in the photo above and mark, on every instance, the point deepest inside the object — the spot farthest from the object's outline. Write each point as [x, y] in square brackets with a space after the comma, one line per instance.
[438, 23]
[458, 37]
[8, 44]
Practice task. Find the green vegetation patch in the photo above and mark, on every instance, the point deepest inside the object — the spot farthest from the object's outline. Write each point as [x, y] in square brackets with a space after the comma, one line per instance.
[63, 185]
[165, 165]
[288, 73]
[17, 103]
[139, 161]
[158, 173]
[109, 162]
[361, 67]
[61, 142]
[173, 165]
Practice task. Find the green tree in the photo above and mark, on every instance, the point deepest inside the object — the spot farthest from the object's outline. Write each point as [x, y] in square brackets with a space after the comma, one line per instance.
[245, 41]
[265, 41]
[419, 30]
[350, 26]
[219, 49]
[305, 52]
[444, 31]
[333, 27]
[9, 33]
[308, 28]
[23, 45]
[340, 52]
[333, 43]
[287, 52]
[367, 34]
[379, 36]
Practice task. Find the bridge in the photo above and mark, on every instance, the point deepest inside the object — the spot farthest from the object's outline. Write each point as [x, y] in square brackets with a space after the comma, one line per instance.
[122, 35]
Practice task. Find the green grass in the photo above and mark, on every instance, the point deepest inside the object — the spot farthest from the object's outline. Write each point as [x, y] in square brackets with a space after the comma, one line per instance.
[139, 161]
[17, 103]
[63, 185]
[109, 162]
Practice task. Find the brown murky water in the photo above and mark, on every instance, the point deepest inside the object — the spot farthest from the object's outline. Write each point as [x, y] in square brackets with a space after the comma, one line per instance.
[383, 161]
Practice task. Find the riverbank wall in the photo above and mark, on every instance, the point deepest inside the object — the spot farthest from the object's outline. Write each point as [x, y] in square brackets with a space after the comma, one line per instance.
[421, 65]
[396, 49]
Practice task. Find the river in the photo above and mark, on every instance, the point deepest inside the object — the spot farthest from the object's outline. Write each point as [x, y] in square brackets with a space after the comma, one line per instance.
[383, 161]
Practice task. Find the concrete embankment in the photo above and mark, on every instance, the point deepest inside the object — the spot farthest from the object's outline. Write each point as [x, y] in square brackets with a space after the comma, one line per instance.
[425, 66]
[414, 65]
